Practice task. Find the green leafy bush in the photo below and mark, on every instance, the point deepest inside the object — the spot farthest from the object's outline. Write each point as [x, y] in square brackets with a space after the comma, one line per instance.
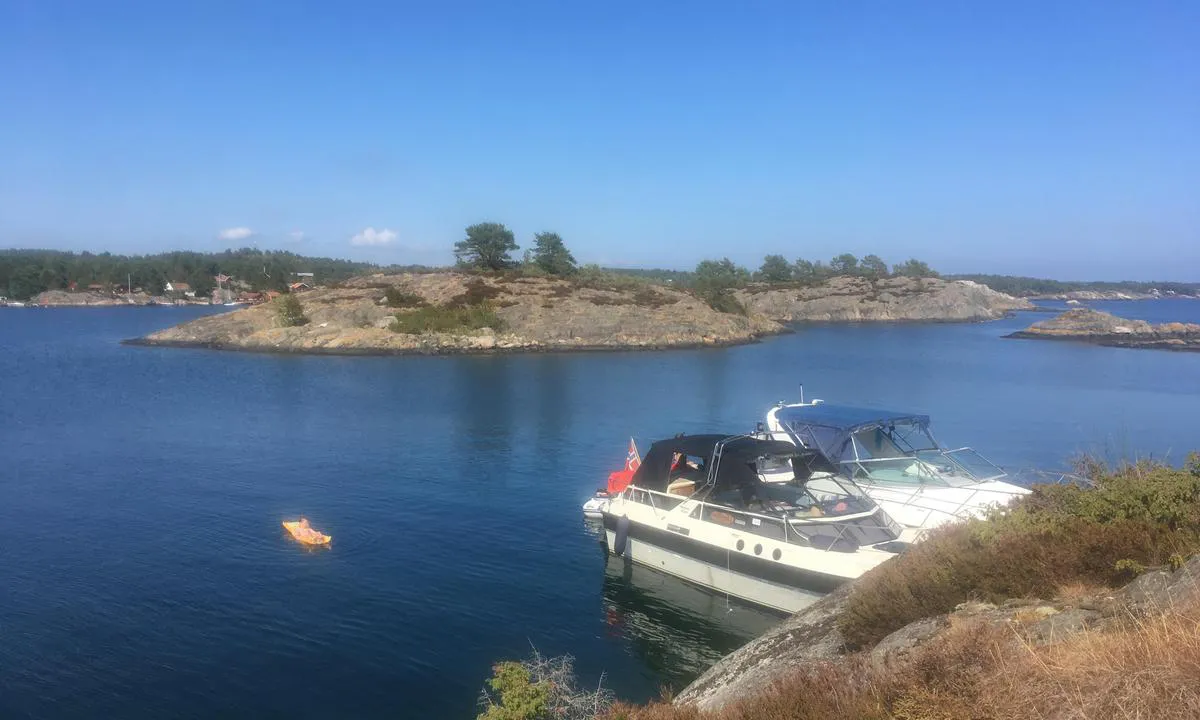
[724, 302]
[289, 312]
[540, 689]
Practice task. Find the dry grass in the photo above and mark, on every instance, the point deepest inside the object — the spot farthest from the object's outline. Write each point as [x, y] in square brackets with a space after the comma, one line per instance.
[985, 671]
[1133, 517]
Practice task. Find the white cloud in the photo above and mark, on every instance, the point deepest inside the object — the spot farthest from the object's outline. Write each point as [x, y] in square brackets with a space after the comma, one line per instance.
[297, 236]
[373, 237]
[235, 233]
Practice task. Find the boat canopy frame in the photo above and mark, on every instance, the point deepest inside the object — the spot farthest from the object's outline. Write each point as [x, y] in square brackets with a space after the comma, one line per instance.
[835, 431]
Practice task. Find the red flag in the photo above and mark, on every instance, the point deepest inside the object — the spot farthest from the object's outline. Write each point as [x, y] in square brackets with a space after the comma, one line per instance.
[617, 481]
[633, 461]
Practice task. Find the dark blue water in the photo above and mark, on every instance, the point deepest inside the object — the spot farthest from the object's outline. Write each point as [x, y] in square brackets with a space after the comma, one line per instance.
[145, 574]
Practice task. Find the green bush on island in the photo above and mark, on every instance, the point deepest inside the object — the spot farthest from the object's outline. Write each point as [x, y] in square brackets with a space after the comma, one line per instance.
[288, 311]
[1132, 516]
[397, 298]
[446, 319]
[714, 282]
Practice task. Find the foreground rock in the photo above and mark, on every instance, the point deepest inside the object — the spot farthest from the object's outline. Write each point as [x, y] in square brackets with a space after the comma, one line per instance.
[811, 637]
[1101, 328]
[536, 314]
[898, 299]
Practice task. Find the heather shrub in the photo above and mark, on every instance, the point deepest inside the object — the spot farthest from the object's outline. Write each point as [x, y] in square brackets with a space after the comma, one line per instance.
[397, 298]
[1128, 518]
[446, 319]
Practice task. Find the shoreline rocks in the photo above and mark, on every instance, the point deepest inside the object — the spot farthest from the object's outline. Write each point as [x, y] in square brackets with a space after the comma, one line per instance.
[811, 636]
[1101, 328]
[64, 298]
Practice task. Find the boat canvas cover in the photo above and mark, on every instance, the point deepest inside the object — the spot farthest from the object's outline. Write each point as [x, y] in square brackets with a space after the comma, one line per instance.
[830, 428]
[737, 455]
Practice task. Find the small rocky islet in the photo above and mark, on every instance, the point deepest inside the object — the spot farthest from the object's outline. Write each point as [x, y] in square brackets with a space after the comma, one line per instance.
[1101, 328]
[548, 314]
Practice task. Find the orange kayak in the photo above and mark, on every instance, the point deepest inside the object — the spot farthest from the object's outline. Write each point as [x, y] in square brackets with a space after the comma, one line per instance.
[300, 530]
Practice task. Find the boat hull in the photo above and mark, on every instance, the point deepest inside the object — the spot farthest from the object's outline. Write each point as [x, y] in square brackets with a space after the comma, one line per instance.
[750, 579]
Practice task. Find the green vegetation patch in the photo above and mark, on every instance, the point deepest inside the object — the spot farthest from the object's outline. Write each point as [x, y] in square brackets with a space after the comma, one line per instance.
[288, 311]
[397, 298]
[1131, 517]
[446, 319]
[540, 689]
[593, 277]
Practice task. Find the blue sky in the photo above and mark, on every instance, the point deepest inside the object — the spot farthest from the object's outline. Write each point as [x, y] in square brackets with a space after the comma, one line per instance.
[1052, 139]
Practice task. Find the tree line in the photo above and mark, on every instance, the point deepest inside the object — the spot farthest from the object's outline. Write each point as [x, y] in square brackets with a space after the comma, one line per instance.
[1025, 286]
[25, 273]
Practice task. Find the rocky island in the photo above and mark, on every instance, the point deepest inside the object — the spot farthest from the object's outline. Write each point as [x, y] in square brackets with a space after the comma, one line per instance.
[455, 312]
[1101, 328]
[891, 299]
[451, 312]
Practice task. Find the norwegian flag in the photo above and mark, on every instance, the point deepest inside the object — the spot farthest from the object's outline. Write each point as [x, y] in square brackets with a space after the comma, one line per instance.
[633, 460]
[619, 480]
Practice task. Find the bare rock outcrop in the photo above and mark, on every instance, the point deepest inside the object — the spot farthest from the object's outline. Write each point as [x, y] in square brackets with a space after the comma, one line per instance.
[1101, 328]
[896, 299]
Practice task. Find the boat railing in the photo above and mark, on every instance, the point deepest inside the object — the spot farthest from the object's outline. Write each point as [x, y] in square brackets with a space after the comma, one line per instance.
[840, 524]
[982, 469]
[915, 469]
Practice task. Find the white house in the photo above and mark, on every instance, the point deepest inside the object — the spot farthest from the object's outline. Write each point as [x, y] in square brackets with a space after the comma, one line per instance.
[180, 287]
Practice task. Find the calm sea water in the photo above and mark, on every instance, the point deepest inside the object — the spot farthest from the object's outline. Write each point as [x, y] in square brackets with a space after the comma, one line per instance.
[145, 574]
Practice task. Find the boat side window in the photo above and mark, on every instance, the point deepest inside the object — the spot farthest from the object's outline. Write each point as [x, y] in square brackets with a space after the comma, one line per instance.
[660, 501]
[875, 443]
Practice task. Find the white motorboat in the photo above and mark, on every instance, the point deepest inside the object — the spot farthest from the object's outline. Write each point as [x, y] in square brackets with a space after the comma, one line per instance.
[696, 508]
[895, 459]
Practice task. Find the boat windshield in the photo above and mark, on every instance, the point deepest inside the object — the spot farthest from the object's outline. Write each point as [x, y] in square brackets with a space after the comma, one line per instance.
[907, 454]
[806, 495]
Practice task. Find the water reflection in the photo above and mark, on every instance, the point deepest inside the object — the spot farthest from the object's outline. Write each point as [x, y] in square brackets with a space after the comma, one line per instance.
[677, 629]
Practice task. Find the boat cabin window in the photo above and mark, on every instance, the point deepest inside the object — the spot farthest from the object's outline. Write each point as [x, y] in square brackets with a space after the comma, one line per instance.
[877, 443]
[687, 474]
